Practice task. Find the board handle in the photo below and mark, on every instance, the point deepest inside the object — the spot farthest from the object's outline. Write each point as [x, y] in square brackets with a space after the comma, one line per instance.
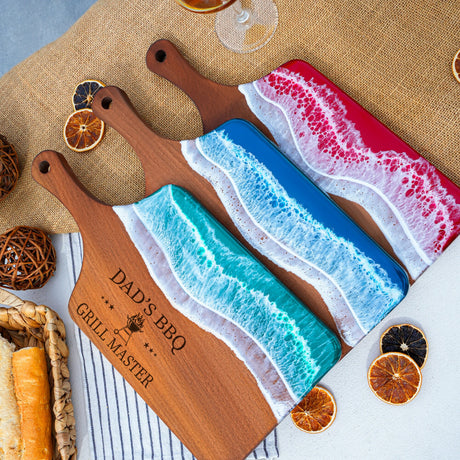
[112, 105]
[51, 170]
[216, 103]
[211, 98]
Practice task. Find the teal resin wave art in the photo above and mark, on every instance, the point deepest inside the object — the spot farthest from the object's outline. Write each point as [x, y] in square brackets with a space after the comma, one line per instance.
[208, 276]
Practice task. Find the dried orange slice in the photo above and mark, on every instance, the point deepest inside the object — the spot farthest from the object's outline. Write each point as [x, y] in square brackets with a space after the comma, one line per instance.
[394, 378]
[406, 339]
[83, 130]
[84, 93]
[456, 66]
[316, 412]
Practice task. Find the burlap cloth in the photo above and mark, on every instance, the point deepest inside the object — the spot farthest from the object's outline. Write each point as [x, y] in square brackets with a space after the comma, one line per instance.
[393, 57]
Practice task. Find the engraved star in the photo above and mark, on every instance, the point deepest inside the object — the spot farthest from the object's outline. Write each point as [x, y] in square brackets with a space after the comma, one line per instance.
[151, 350]
[146, 345]
[111, 307]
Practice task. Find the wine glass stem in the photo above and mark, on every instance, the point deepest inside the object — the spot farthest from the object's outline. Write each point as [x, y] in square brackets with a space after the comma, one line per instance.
[242, 13]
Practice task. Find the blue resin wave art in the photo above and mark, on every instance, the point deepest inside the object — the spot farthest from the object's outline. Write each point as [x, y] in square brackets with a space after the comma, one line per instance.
[282, 214]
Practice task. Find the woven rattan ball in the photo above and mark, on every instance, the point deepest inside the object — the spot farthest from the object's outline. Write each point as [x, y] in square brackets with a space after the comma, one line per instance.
[9, 167]
[27, 258]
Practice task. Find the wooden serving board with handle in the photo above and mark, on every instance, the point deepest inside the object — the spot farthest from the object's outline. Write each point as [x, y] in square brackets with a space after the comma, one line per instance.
[217, 345]
[205, 383]
[408, 206]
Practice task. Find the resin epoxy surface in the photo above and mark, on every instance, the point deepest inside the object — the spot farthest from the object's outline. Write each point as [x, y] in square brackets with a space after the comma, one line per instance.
[213, 280]
[416, 208]
[289, 220]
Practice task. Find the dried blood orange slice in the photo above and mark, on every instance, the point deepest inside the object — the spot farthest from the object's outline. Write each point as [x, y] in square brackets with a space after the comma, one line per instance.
[316, 412]
[394, 378]
[84, 93]
[83, 130]
[406, 339]
[456, 66]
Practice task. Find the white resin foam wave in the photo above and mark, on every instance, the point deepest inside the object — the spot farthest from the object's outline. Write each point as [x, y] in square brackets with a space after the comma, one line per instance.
[357, 291]
[404, 196]
[186, 269]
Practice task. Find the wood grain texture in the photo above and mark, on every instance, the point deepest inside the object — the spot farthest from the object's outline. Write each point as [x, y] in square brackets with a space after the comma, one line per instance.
[219, 103]
[203, 392]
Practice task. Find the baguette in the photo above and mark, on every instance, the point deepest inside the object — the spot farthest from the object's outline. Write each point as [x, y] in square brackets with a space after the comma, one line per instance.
[32, 391]
[10, 430]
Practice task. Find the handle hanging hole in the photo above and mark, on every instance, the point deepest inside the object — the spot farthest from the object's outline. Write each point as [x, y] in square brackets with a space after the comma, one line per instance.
[105, 103]
[44, 167]
[160, 55]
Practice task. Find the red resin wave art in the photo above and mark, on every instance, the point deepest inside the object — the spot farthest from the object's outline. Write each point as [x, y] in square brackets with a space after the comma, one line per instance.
[349, 153]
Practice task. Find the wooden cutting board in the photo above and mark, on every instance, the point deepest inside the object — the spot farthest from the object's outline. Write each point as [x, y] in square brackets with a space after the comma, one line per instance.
[189, 317]
[275, 211]
[399, 198]
[203, 331]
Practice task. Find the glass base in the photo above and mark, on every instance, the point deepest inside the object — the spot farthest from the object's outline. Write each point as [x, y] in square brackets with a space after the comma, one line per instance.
[247, 25]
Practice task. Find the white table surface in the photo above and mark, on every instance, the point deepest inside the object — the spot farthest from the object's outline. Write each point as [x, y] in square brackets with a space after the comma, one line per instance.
[426, 428]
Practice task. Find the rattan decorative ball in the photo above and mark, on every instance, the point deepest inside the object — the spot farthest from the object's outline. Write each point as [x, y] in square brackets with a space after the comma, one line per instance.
[27, 258]
[9, 167]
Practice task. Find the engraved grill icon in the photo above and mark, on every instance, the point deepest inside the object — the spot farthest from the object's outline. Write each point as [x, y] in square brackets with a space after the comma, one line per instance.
[134, 323]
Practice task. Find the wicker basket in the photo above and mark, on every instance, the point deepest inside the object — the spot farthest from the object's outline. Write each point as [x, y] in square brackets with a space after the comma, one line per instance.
[27, 325]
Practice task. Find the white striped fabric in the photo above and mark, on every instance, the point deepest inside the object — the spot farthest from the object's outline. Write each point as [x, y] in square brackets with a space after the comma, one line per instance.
[121, 425]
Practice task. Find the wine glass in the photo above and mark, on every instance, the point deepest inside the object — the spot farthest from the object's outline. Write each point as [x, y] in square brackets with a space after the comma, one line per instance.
[241, 25]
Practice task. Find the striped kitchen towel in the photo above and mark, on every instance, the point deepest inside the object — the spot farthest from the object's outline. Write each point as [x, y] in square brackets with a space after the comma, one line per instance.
[121, 426]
